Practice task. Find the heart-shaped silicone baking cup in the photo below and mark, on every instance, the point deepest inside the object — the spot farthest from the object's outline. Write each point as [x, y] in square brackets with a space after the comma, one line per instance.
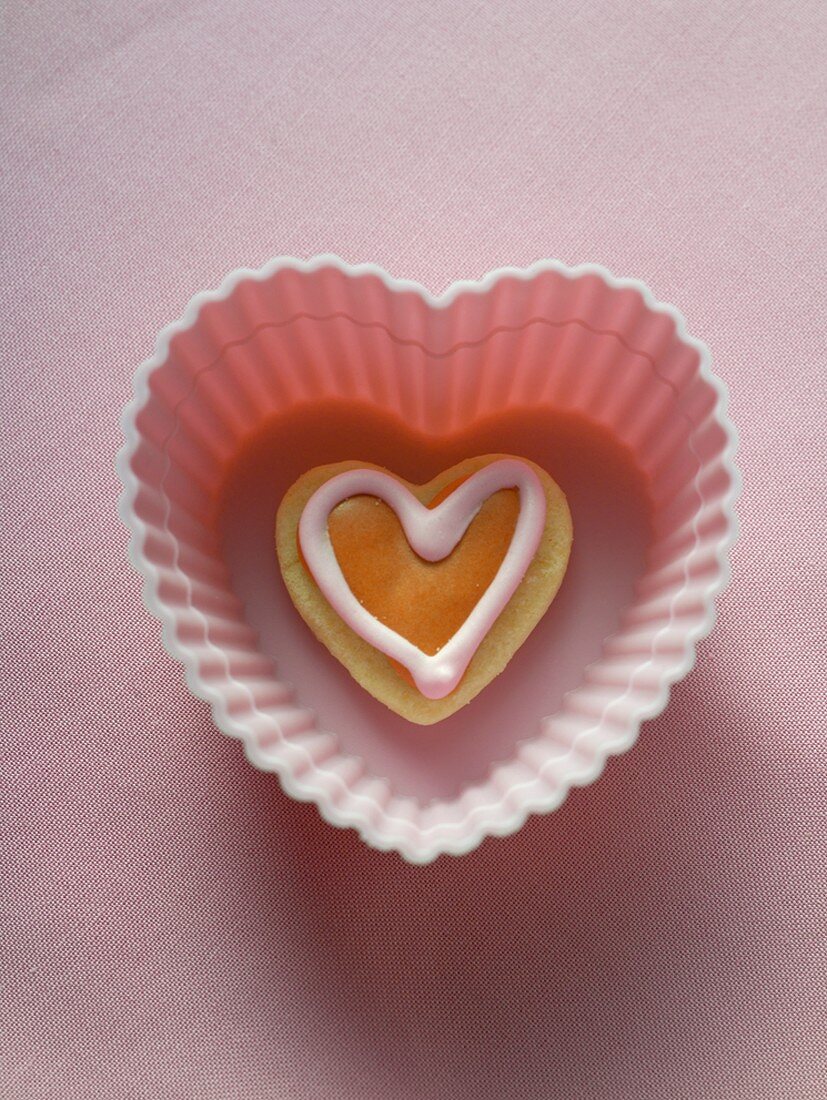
[302, 363]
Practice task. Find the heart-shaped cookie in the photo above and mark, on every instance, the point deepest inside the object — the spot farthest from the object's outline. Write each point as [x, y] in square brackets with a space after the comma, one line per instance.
[424, 593]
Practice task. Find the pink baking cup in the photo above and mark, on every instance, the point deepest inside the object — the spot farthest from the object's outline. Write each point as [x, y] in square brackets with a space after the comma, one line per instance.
[302, 363]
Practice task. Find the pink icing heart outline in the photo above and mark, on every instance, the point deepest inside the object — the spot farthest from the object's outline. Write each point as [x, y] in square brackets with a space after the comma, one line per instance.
[433, 533]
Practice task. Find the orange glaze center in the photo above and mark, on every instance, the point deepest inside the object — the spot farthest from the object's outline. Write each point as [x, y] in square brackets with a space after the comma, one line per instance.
[426, 602]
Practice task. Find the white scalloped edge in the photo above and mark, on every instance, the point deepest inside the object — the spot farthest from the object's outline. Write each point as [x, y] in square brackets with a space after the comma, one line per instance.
[492, 818]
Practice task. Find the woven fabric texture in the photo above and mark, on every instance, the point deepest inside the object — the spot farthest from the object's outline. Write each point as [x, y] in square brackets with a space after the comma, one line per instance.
[171, 924]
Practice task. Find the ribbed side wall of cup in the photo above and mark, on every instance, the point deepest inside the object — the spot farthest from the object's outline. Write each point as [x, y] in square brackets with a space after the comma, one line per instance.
[296, 337]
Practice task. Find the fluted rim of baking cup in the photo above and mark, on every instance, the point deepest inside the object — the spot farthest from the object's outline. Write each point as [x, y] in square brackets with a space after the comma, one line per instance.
[494, 810]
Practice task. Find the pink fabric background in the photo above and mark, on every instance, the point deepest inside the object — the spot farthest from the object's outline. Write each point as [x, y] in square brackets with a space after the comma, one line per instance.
[171, 924]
